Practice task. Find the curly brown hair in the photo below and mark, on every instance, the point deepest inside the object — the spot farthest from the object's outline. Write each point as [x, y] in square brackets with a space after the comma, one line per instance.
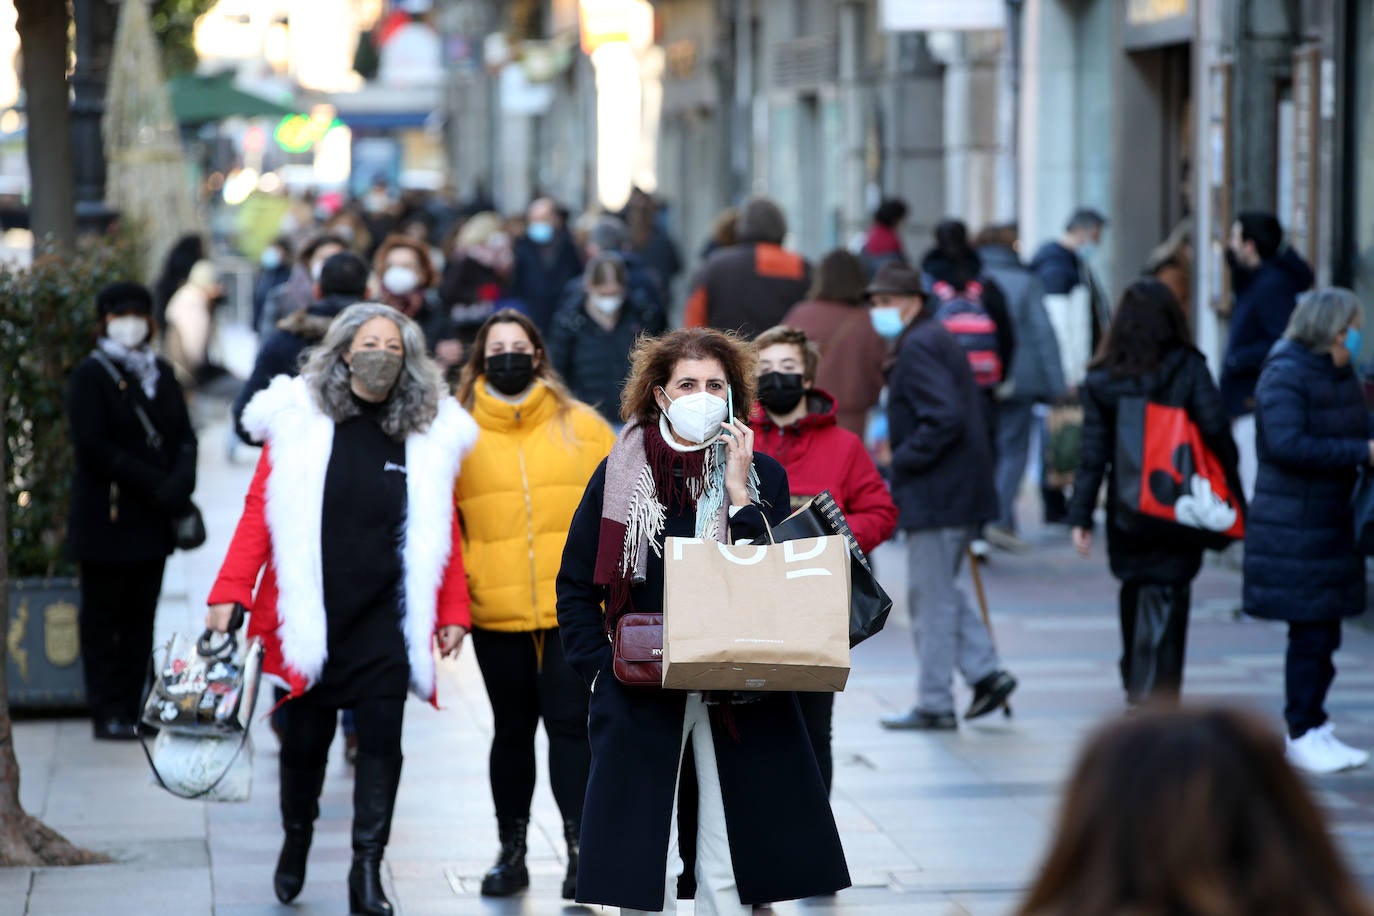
[653, 359]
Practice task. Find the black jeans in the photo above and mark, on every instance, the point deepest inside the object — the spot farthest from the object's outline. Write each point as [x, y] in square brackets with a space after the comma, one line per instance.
[1308, 673]
[818, 711]
[522, 690]
[310, 727]
[118, 604]
[1154, 636]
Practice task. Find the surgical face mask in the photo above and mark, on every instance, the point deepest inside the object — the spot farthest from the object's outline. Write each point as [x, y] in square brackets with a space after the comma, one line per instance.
[316, 269]
[540, 233]
[1352, 343]
[130, 331]
[376, 370]
[781, 392]
[400, 280]
[1087, 250]
[887, 321]
[271, 258]
[697, 417]
[606, 305]
[510, 373]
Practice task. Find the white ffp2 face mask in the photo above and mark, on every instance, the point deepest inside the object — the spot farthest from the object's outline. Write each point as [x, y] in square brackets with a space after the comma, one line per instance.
[606, 305]
[400, 281]
[696, 417]
[129, 331]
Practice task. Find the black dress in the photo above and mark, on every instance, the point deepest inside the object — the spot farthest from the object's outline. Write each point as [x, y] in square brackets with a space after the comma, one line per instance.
[364, 515]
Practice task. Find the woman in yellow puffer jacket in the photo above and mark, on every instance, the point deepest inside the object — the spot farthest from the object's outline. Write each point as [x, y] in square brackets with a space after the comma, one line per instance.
[516, 497]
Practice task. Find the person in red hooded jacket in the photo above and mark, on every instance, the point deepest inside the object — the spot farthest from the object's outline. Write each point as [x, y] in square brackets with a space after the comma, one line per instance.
[796, 425]
[348, 558]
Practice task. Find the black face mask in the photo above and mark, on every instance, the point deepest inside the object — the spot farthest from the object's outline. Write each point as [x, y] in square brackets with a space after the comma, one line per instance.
[510, 373]
[780, 392]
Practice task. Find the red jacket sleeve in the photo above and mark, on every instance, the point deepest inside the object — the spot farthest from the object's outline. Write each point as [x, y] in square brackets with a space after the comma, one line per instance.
[866, 502]
[455, 605]
[251, 547]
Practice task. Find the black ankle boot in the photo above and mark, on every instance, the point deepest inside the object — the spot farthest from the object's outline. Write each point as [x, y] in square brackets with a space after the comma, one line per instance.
[572, 833]
[374, 797]
[509, 874]
[300, 805]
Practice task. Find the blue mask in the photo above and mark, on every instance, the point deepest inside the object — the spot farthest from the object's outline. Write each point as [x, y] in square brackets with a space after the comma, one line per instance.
[540, 233]
[1087, 250]
[1352, 343]
[887, 321]
[271, 258]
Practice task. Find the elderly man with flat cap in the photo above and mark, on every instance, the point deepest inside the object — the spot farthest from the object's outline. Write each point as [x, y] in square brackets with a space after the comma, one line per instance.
[135, 471]
[942, 482]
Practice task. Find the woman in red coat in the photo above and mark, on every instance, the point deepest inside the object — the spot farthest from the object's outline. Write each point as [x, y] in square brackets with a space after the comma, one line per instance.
[350, 522]
[796, 425]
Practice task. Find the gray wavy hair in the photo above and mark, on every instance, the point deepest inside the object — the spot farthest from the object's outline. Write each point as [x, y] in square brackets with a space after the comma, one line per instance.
[414, 400]
[1321, 316]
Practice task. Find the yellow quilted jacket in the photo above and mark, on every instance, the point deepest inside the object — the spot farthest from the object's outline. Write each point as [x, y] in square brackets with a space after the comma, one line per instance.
[516, 494]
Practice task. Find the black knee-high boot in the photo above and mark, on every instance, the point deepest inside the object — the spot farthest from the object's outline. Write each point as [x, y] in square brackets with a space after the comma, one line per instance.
[300, 806]
[374, 798]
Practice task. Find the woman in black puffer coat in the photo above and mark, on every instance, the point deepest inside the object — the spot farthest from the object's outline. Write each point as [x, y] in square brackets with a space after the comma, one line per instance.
[1300, 562]
[1146, 354]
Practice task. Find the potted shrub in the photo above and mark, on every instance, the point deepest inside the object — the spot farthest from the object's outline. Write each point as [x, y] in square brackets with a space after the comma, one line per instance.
[47, 320]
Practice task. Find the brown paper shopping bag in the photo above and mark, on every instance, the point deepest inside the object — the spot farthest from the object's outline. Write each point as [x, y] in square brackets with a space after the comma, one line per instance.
[769, 617]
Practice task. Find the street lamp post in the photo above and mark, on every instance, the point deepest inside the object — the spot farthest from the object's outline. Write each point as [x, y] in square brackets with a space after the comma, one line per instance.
[95, 27]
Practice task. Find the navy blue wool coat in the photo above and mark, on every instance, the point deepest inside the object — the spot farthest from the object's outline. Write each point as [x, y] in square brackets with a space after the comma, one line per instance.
[783, 840]
[1313, 435]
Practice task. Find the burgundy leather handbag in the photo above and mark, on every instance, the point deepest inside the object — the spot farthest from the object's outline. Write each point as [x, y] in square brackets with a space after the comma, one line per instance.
[637, 649]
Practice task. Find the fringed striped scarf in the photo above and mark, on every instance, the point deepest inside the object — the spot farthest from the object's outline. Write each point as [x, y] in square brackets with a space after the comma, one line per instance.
[644, 477]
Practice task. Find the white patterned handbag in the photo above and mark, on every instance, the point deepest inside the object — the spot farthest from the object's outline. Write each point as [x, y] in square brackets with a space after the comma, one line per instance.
[201, 703]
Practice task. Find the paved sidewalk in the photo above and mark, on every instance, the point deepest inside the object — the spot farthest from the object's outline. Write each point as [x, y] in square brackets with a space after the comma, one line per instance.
[932, 824]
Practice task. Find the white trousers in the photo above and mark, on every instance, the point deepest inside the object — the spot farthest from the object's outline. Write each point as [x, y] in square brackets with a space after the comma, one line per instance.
[1243, 430]
[717, 894]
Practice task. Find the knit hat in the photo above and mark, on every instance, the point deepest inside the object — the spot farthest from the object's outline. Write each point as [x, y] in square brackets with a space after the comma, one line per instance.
[126, 296]
[760, 220]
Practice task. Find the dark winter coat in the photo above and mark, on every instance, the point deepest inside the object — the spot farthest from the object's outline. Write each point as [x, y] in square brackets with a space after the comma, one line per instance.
[125, 493]
[1312, 435]
[1265, 299]
[959, 273]
[942, 468]
[1182, 380]
[783, 840]
[747, 288]
[281, 352]
[594, 361]
[470, 291]
[1036, 373]
[540, 274]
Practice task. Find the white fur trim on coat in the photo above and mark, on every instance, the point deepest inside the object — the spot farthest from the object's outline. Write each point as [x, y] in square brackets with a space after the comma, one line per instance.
[301, 437]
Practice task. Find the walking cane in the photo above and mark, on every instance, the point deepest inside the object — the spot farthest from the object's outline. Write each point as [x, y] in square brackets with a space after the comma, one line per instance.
[977, 575]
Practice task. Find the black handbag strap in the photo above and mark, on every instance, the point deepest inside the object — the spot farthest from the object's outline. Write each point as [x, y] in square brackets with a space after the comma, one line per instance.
[150, 433]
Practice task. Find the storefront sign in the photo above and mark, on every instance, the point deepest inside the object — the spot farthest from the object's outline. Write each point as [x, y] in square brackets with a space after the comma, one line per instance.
[1157, 23]
[941, 15]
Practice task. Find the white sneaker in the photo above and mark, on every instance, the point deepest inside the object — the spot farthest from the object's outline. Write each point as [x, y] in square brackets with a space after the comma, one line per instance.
[1314, 753]
[1353, 756]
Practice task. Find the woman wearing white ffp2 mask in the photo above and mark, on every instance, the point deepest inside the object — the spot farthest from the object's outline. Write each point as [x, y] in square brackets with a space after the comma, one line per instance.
[127, 487]
[757, 774]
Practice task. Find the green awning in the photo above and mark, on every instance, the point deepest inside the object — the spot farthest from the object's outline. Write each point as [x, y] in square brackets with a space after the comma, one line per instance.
[199, 100]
